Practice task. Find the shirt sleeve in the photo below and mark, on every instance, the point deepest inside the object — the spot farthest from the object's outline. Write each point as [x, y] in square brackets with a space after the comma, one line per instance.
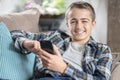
[19, 36]
[102, 68]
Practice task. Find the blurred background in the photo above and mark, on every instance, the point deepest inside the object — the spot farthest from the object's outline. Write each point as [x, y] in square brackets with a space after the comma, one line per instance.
[107, 29]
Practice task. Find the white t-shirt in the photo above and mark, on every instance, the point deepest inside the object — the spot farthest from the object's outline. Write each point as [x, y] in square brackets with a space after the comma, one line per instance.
[74, 55]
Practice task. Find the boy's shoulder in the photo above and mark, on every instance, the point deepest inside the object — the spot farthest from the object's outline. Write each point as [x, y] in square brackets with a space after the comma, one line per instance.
[99, 45]
[102, 46]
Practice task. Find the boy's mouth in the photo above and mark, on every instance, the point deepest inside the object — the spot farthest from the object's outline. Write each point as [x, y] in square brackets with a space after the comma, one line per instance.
[79, 32]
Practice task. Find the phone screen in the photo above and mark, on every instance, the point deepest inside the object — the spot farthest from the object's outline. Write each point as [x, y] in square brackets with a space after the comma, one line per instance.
[47, 46]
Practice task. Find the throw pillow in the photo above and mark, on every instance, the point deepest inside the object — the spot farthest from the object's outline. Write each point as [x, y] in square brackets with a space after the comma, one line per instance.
[25, 20]
[13, 65]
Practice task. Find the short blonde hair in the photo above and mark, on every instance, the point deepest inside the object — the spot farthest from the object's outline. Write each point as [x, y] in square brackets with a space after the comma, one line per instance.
[81, 5]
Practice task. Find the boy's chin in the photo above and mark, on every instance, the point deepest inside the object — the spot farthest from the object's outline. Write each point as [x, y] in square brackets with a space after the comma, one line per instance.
[79, 38]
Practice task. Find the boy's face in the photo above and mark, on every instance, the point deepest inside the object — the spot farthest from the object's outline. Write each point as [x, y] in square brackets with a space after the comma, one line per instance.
[80, 24]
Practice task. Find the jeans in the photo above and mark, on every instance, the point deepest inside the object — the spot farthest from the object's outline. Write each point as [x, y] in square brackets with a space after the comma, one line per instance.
[52, 78]
[56, 76]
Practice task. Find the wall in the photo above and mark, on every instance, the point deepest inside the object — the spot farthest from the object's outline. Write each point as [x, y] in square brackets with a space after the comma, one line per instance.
[7, 6]
[114, 25]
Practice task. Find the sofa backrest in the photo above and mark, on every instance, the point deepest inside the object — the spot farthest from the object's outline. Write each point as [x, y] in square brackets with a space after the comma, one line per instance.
[26, 20]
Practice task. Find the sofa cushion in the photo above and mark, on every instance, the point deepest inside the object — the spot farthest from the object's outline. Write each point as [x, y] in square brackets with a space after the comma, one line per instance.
[13, 65]
[27, 20]
[116, 72]
[116, 59]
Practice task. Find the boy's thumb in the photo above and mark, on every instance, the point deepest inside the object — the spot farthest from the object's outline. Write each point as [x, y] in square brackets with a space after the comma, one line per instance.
[56, 51]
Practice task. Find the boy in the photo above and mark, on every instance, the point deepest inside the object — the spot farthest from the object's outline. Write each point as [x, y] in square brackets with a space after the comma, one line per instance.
[76, 57]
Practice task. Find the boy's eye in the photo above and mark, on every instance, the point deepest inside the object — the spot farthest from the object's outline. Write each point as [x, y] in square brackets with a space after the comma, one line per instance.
[84, 21]
[73, 22]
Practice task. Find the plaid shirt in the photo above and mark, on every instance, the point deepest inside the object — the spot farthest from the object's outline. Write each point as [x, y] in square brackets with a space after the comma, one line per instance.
[96, 63]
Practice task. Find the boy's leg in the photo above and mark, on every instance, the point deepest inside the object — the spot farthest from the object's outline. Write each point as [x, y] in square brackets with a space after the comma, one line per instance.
[52, 78]
[48, 78]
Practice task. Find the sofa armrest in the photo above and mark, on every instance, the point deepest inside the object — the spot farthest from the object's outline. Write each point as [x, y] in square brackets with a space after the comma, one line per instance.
[115, 75]
[116, 72]
[116, 60]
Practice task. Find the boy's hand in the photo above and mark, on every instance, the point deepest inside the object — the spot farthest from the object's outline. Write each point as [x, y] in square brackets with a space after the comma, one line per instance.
[32, 45]
[53, 61]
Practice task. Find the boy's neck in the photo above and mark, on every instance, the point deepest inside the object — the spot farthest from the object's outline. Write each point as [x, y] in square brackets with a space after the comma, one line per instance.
[82, 42]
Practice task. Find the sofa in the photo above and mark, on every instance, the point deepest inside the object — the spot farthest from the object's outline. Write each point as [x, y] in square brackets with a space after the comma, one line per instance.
[15, 66]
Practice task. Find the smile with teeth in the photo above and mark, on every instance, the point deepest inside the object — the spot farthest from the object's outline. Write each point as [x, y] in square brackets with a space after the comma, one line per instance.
[79, 32]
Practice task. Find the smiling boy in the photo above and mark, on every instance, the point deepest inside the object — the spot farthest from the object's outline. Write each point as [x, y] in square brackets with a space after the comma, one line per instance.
[76, 57]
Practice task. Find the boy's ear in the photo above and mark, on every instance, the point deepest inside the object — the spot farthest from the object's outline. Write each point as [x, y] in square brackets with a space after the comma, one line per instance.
[67, 24]
[94, 23]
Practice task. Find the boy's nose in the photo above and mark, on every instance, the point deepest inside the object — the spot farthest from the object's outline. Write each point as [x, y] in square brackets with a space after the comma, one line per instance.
[79, 25]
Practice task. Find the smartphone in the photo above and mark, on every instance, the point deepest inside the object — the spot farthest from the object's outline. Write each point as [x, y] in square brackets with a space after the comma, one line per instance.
[47, 46]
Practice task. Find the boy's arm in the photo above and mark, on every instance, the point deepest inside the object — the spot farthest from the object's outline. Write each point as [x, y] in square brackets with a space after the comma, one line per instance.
[101, 70]
[20, 36]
